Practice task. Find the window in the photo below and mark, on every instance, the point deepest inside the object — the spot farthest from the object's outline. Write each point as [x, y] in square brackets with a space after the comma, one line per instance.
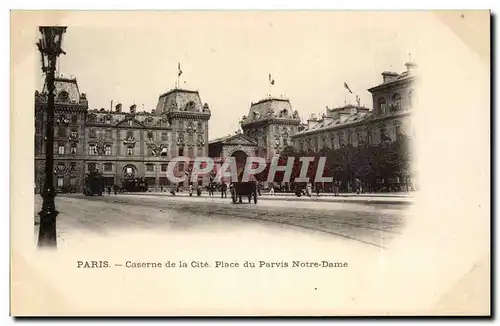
[92, 133]
[164, 167]
[107, 150]
[411, 98]
[130, 151]
[181, 151]
[383, 135]
[73, 149]
[150, 167]
[150, 135]
[129, 171]
[130, 123]
[91, 167]
[349, 137]
[108, 167]
[60, 182]
[74, 119]
[92, 149]
[332, 142]
[164, 136]
[381, 105]
[60, 150]
[108, 134]
[200, 126]
[396, 102]
[359, 137]
[341, 139]
[61, 132]
[72, 181]
[397, 128]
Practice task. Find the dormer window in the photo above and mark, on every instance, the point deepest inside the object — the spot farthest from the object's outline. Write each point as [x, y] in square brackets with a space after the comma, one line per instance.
[381, 105]
[63, 96]
[396, 102]
[130, 123]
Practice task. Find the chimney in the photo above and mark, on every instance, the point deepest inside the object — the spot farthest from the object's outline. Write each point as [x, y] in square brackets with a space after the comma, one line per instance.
[312, 121]
[132, 108]
[118, 108]
[389, 75]
[411, 67]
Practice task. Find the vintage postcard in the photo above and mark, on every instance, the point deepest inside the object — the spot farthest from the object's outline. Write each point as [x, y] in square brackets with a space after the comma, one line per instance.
[250, 163]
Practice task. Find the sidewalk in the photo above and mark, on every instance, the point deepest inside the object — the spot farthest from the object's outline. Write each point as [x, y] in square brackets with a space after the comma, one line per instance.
[387, 198]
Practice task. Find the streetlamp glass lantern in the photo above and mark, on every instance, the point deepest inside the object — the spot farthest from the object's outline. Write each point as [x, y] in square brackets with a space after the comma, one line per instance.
[50, 42]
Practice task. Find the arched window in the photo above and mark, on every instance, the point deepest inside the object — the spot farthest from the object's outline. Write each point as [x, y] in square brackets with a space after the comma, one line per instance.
[63, 96]
[381, 105]
[396, 102]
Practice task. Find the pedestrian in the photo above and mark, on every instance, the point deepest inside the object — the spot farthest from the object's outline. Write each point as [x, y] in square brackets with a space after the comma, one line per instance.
[211, 189]
[223, 193]
[272, 190]
[198, 191]
[317, 190]
[161, 188]
[190, 190]
[109, 190]
[114, 189]
[309, 189]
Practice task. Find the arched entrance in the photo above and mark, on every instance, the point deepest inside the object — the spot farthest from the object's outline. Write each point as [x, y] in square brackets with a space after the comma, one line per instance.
[130, 181]
[129, 171]
[241, 159]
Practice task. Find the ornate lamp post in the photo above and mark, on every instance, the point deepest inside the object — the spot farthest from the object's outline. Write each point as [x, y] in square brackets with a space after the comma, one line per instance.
[50, 48]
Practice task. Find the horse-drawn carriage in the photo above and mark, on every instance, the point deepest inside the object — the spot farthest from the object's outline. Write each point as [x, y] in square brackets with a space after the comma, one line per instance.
[240, 189]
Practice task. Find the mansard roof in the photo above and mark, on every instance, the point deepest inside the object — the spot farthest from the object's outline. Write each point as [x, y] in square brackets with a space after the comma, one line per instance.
[181, 100]
[345, 116]
[271, 108]
[66, 93]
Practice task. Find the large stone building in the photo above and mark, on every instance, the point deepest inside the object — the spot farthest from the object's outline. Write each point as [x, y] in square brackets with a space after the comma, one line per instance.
[393, 100]
[119, 144]
[266, 130]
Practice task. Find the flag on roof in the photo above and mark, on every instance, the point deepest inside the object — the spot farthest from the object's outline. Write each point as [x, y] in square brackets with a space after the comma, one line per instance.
[347, 87]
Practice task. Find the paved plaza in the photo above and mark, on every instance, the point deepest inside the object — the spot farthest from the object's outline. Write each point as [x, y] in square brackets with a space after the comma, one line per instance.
[80, 216]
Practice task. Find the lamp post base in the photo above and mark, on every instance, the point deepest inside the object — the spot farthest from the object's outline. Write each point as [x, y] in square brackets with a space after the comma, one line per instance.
[47, 236]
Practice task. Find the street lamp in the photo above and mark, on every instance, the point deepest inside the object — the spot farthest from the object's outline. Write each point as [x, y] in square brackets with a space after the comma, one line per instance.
[49, 46]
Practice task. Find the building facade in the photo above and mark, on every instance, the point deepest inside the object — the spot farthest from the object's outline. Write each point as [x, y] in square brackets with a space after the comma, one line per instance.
[121, 145]
[271, 123]
[390, 117]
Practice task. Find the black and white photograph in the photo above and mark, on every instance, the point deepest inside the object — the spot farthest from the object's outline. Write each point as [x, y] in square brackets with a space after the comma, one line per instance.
[244, 162]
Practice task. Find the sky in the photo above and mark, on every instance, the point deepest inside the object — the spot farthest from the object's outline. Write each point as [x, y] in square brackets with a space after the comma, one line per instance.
[228, 56]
